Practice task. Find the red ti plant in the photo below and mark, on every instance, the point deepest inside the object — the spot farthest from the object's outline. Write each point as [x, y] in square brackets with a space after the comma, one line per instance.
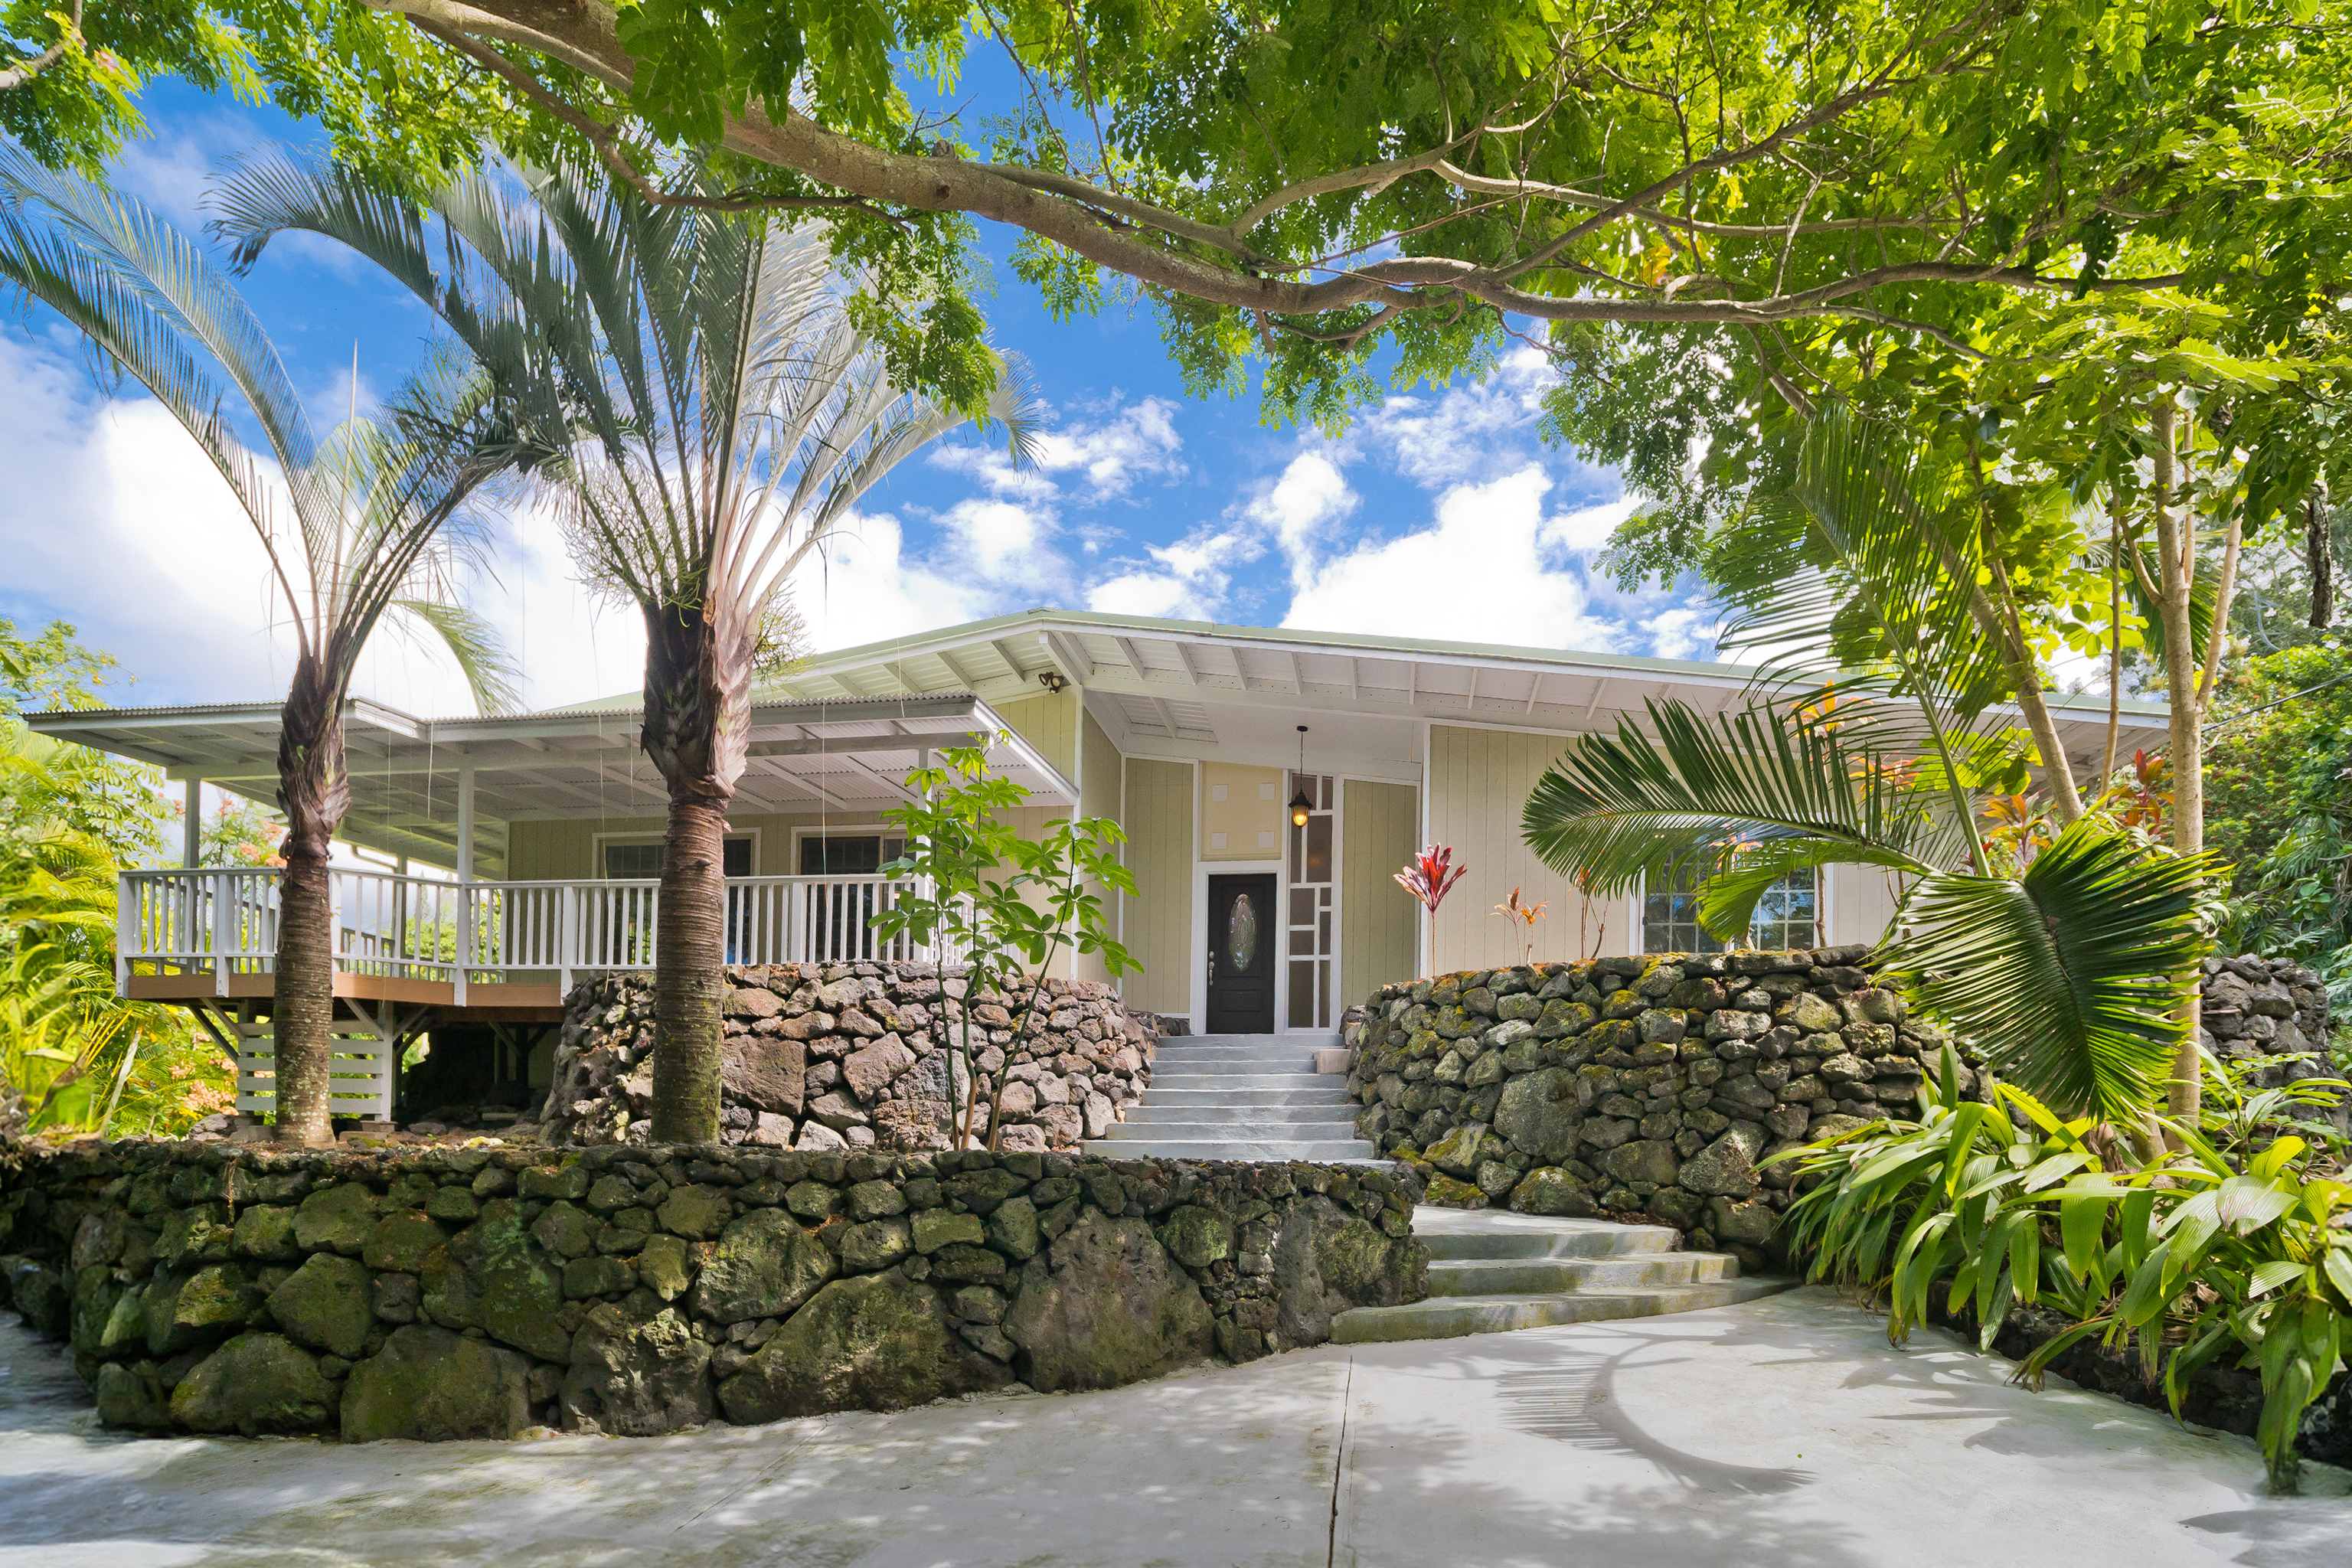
[1429, 877]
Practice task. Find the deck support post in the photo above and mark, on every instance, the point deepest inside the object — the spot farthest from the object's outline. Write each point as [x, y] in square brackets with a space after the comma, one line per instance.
[465, 881]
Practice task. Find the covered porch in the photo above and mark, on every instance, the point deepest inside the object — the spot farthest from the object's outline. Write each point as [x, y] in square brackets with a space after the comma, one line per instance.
[493, 863]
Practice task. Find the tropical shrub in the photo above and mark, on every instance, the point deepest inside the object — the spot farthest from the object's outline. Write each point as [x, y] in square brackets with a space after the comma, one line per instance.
[2279, 805]
[1877, 736]
[2218, 1249]
[74, 1058]
[1002, 904]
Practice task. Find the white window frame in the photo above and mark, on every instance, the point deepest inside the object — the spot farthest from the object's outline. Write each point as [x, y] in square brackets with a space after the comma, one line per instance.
[1638, 924]
[841, 830]
[599, 840]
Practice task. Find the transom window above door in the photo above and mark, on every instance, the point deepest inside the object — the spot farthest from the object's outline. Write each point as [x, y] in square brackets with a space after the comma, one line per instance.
[848, 854]
[640, 860]
[1787, 917]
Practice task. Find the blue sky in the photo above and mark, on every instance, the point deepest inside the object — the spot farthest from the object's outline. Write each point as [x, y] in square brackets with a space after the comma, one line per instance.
[1439, 513]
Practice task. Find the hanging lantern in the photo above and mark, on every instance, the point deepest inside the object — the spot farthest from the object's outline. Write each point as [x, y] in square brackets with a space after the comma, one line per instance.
[1300, 806]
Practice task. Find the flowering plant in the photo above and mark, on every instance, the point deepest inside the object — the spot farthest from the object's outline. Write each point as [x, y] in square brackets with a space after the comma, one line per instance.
[1429, 877]
[1523, 917]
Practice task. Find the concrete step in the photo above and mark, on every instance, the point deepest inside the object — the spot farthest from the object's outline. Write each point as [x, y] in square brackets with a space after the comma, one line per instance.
[1490, 1271]
[1308, 1038]
[1534, 1237]
[1553, 1276]
[1247, 1132]
[1322, 1151]
[1187, 1078]
[1219, 1094]
[1225, 1067]
[1450, 1317]
[1155, 1110]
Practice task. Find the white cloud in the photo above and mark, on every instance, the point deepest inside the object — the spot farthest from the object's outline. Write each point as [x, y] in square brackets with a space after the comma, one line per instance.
[1682, 632]
[1001, 541]
[1587, 529]
[1483, 574]
[1463, 432]
[1301, 508]
[1162, 594]
[860, 588]
[1187, 581]
[1134, 441]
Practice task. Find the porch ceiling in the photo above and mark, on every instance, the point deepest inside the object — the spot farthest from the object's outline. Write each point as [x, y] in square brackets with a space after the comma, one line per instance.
[840, 756]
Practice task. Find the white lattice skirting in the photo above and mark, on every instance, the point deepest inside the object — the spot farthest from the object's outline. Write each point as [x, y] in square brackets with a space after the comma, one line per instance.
[359, 1074]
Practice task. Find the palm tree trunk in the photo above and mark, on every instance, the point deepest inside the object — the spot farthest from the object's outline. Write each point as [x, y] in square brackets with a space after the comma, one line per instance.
[314, 791]
[697, 730]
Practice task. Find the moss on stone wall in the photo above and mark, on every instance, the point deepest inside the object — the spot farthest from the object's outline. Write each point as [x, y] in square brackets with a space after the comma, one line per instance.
[434, 1294]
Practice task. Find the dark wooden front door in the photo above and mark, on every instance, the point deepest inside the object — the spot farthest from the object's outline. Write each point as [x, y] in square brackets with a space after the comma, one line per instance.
[1243, 922]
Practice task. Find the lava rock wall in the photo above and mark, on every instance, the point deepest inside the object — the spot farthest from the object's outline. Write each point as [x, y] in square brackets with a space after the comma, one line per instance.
[453, 1293]
[1656, 1085]
[864, 1056]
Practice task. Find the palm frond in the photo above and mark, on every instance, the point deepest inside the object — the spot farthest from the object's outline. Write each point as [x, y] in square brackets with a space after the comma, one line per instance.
[1868, 560]
[2068, 978]
[690, 385]
[1613, 810]
[491, 676]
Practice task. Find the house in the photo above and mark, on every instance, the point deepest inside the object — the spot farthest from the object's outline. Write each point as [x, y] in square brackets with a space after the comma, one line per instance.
[1269, 784]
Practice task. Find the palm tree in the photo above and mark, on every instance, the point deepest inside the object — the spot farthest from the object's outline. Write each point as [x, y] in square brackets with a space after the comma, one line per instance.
[705, 412]
[362, 526]
[1874, 737]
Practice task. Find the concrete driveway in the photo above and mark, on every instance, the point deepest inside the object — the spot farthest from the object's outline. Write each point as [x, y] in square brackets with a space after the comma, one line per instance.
[1783, 1431]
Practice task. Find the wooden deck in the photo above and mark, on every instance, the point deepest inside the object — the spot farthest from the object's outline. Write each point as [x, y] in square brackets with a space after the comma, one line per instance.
[493, 1003]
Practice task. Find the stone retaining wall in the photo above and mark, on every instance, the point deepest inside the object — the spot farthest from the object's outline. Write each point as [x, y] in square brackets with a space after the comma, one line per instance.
[2267, 1006]
[1656, 1084]
[445, 1293]
[856, 1057]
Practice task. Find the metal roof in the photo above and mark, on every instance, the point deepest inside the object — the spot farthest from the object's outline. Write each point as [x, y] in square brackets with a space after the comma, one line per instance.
[1167, 681]
[844, 756]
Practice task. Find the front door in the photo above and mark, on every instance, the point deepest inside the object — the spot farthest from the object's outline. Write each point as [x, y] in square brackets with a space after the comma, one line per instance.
[1242, 926]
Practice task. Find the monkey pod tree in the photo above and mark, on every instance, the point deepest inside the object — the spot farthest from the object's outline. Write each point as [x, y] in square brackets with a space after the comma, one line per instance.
[1313, 183]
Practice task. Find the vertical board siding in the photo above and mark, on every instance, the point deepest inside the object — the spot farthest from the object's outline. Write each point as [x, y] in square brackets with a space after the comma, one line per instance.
[1478, 784]
[1098, 795]
[564, 851]
[1048, 722]
[1158, 918]
[1376, 916]
[1862, 901]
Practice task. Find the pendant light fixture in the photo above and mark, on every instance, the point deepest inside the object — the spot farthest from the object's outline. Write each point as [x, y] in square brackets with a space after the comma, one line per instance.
[1300, 806]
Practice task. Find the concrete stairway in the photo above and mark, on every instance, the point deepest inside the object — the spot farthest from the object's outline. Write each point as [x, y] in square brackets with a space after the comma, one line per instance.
[1239, 1097]
[1490, 1270]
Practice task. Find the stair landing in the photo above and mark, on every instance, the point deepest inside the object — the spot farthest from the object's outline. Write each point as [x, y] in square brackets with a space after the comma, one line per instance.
[1490, 1271]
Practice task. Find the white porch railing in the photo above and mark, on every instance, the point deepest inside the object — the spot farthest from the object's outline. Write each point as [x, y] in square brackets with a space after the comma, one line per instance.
[225, 923]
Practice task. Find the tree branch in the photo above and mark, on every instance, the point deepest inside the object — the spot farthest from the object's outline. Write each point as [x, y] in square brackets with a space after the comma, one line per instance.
[608, 143]
[22, 71]
[1134, 237]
